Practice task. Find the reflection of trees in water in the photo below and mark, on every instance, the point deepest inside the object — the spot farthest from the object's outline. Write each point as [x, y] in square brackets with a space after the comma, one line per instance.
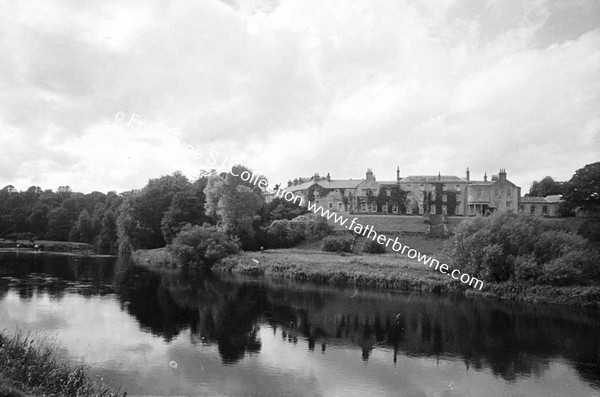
[30, 274]
[512, 340]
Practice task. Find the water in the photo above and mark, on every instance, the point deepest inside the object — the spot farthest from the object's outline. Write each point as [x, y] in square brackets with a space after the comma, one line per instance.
[165, 334]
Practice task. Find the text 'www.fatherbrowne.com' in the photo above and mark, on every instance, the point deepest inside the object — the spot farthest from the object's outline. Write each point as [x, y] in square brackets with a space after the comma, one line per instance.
[369, 232]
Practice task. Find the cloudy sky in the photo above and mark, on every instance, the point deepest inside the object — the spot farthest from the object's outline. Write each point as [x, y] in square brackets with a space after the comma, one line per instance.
[103, 95]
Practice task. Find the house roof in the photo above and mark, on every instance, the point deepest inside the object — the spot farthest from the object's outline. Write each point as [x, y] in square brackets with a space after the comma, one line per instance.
[534, 200]
[433, 179]
[332, 184]
[554, 198]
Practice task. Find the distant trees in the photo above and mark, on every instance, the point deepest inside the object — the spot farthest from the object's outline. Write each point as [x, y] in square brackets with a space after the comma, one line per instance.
[546, 187]
[59, 224]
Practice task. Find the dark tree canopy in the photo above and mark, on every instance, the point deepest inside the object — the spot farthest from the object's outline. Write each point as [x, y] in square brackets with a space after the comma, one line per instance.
[584, 188]
[546, 187]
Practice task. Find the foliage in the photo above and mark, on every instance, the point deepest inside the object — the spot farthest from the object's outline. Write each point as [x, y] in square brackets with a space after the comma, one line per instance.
[583, 189]
[82, 230]
[590, 229]
[185, 208]
[33, 367]
[546, 187]
[280, 208]
[509, 246]
[338, 244]
[284, 234]
[234, 204]
[202, 246]
[59, 224]
[373, 247]
[317, 228]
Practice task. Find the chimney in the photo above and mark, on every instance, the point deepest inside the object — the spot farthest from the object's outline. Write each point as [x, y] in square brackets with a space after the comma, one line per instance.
[398, 174]
[316, 177]
[468, 174]
[289, 183]
[439, 176]
[485, 176]
[328, 177]
[494, 178]
[370, 174]
[502, 174]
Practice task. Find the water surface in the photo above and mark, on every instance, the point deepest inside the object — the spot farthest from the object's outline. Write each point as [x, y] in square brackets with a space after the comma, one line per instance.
[170, 334]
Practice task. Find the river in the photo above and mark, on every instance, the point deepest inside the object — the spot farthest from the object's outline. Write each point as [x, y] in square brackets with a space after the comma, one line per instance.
[168, 333]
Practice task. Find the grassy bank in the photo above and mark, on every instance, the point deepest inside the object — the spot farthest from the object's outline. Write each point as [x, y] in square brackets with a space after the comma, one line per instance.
[28, 368]
[395, 272]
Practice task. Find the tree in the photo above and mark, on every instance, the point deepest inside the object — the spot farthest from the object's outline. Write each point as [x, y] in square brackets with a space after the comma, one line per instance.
[202, 246]
[583, 189]
[59, 224]
[185, 208]
[82, 230]
[234, 203]
[108, 233]
[546, 187]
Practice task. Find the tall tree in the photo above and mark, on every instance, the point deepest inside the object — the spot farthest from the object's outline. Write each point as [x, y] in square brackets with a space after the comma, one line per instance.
[59, 224]
[583, 189]
[82, 230]
[546, 187]
[185, 208]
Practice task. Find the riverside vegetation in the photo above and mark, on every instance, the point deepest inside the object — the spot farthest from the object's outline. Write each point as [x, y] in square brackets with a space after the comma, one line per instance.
[220, 222]
[28, 367]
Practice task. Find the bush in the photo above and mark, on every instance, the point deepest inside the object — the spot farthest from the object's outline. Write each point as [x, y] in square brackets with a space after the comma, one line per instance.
[338, 244]
[590, 229]
[373, 247]
[509, 246]
[285, 234]
[317, 228]
[202, 246]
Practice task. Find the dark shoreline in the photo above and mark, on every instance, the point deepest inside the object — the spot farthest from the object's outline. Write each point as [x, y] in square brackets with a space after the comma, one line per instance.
[378, 272]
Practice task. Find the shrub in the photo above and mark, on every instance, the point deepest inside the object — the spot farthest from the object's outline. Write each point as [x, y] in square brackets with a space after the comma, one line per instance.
[285, 234]
[373, 247]
[509, 246]
[590, 229]
[338, 244]
[202, 246]
[317, 228]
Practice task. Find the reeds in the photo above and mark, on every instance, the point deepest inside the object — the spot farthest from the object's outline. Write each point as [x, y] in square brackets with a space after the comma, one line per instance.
[29, 367]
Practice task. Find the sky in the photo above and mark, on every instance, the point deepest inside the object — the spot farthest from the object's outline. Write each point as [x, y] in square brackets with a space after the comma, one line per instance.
[104, 95]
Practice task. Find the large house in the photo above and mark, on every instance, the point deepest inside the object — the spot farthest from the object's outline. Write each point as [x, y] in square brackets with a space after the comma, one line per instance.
[414, 194]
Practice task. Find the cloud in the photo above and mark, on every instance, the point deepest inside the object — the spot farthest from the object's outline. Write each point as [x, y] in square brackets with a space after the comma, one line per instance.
[292, 88]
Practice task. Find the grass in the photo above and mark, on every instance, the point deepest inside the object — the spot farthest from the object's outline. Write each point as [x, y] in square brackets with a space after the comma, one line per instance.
[389, 271]
[394, 223]
[29, 367]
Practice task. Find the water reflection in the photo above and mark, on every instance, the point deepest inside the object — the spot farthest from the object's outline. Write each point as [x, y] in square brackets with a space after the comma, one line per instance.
[508, 340]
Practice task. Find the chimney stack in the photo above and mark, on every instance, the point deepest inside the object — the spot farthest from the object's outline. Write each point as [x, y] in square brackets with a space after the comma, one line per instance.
[398, 174]
[328, 177]
[468, 174]
[316, 177]
[485, 176]
[370, 174]
[502, 174]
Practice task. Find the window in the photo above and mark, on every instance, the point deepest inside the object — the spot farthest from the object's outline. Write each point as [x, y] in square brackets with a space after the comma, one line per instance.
[522, 208]
[457, 187]
[509, 204]
[444, 197]
[389, 192]
[395, 208]
[478, 192]
[384, 208]
[444, 210]
[545, 210]
[373, 207]
[496, 193]
[508, 192]
[444, 187]
[340, 206]
[532, 209]
[330, 205]
[363, 207]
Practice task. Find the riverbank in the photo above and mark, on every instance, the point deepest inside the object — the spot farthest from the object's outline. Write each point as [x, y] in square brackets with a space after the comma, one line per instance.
[28, 368]
[47, 246]
[383, 271]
